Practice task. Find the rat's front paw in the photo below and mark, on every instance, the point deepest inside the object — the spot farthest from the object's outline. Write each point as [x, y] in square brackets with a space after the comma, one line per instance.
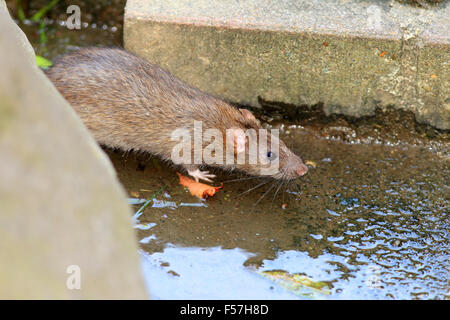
[197, 174]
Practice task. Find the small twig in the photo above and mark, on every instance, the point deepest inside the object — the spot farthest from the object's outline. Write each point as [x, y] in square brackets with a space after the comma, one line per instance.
[141, 209]
[271, 187]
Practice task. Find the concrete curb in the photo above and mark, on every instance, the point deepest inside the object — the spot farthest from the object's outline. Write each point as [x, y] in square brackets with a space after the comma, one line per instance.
[64, 217]
[351, 55]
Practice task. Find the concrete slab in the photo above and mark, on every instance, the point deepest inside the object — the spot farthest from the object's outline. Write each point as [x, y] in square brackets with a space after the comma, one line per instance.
[64, 218]
[352, 55]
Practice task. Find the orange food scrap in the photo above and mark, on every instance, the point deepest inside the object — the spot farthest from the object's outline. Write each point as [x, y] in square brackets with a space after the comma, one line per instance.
[325, 44]
[198, 189]
[382, 53]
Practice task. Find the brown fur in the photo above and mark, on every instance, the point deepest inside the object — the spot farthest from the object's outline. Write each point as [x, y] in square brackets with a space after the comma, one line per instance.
[129, 103]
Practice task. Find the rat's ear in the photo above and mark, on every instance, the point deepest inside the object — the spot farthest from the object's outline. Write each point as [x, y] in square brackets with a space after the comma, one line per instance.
[236, 138]
[248, 115]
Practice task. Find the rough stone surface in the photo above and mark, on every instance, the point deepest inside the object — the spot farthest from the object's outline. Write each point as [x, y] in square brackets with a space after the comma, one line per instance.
[60, 201]
[351, 55]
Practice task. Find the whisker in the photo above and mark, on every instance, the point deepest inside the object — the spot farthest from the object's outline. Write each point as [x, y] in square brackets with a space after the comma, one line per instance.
[271, 187]
[278, 189]
[292, 142]
[259, 185]
[242, 179]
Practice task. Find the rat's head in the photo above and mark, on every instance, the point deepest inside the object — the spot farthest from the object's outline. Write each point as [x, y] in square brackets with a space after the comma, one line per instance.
[261, 151]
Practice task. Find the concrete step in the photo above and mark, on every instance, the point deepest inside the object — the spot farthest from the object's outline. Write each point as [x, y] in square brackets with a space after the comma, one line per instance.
[351, 55]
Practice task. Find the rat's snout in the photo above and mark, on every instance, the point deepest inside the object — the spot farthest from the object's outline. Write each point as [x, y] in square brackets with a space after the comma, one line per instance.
[301, 170]
[294, 168]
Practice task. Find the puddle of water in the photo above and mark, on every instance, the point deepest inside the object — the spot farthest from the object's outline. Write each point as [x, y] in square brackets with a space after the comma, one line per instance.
[205, 273]
[371, 220]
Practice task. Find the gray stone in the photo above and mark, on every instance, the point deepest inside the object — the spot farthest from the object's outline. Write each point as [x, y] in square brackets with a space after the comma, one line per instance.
[60, 201]
[351, 55]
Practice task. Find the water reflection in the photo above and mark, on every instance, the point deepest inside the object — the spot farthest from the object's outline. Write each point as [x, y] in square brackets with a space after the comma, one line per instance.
[200, 273]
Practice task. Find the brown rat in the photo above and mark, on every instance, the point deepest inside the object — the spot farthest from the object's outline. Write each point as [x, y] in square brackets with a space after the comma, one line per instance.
[129, 103]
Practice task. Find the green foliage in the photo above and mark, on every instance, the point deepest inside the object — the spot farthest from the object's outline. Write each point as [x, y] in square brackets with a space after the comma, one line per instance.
[42, 62]
[37, 17]
[20, 13]
[43, 11]
[42, 34]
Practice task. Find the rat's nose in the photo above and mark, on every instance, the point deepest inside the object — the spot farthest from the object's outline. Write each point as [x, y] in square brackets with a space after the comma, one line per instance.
[301, 170]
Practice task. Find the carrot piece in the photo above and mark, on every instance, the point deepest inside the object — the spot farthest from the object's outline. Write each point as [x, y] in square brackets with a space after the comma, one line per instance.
[198, 189]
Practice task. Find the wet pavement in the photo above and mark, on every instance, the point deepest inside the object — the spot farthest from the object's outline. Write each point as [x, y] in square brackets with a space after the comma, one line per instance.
[369, 221]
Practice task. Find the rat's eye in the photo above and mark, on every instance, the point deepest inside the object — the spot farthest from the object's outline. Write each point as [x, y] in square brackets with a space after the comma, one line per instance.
[271, 155]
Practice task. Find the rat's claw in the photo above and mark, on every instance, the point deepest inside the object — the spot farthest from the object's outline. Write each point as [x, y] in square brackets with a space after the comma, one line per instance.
[202, 175]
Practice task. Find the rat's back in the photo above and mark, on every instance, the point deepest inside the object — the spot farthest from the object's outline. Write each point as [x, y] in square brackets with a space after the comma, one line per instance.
[126, 101]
